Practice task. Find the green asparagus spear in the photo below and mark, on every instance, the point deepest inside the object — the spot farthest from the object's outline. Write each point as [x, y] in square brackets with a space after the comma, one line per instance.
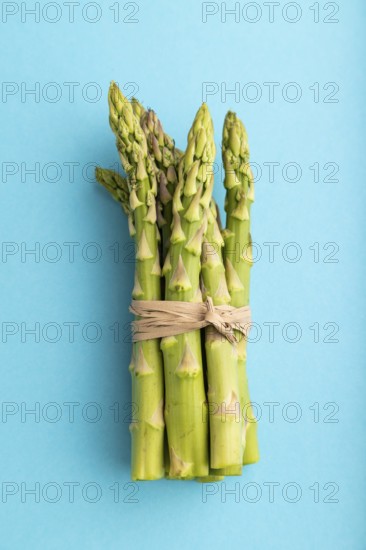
[161, 147]
[116, 185]
[238, 260]
[222, 360]
[185, 400]
[167, 157]
[146, 367]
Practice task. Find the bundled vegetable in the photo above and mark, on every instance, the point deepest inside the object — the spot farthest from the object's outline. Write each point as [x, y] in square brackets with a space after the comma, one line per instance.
[189, 386]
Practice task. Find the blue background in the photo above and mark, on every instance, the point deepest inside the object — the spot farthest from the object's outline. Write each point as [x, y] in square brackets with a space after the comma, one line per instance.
[167, 56]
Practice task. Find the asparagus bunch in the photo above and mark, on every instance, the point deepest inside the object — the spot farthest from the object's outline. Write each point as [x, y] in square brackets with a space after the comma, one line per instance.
[171, 191]
[185, 399]
[146, 365]
[238, 259]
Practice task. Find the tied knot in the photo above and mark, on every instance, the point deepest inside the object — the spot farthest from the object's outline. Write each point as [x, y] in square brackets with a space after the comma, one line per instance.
[216, 318]
[159, 318]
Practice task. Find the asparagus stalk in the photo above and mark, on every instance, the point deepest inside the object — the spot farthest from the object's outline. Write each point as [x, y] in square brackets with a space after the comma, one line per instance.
[222, 358]
[117, 186]
[167, 157]
[119, 189]
[147, 433]
[185, 400]
[238, 260]
[161, 147]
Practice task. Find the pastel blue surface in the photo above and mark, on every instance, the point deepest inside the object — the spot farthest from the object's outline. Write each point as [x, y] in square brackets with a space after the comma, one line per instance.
[77, 381]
